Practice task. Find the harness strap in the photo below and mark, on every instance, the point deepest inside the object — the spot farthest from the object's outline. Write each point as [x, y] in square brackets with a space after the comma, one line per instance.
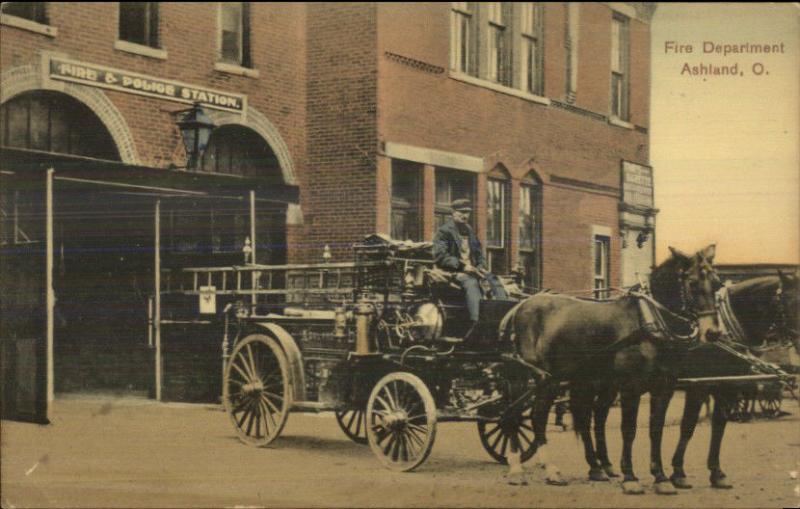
[730, 324]
[652, 313]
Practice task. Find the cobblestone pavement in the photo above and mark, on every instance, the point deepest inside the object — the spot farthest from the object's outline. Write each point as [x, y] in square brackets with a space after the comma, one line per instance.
[124, 452]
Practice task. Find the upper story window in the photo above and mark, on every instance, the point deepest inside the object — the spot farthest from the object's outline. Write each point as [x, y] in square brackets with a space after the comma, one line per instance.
[498, 42]
[234, 37]
[572, 28]
[33, 11]
[620, 52]
[463, 37]
[531, 72]
[138, 23]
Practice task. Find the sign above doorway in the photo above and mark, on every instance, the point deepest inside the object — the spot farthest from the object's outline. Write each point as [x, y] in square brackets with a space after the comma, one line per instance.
[93, 75]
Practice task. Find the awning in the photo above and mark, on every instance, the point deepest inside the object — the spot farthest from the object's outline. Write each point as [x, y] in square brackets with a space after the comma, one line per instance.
[22, 163]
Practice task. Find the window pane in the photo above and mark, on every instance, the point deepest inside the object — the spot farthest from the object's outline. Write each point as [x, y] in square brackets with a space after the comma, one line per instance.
[452, 185]
[495, 219]
[59, 131]
[526, 218]
[616, 31]
[495, 12]
[465, 44]
[34, 11]
[532, 67]
[527, 17]
[442, 191]
[406, 200]
[17, 118]
[616, 94]
[231, 32]
[133, 22]
[40, 124]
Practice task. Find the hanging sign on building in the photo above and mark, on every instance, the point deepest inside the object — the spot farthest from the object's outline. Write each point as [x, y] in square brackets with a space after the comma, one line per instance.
[637, 184]
[124, 81]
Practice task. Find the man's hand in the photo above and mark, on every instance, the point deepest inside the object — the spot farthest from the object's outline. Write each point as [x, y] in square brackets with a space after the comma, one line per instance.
[472, 270]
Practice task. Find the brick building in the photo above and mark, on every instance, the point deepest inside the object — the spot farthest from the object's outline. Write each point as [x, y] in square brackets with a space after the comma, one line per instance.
[380, 114]
[530, 110]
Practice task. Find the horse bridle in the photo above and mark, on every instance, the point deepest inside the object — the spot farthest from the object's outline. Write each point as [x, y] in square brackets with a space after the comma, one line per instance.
[687, 296]
[781, 323]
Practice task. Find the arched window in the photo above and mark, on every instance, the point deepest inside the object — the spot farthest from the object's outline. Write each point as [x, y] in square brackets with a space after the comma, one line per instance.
[530, 229]
[54, 122]
[498, 217]
[238, 150]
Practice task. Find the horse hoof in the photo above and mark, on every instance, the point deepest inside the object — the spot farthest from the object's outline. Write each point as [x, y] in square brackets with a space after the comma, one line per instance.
[632, 488]
[517, 479]
[680, 482]
[665, 488]
[597, 475]
[720, 482]
[609, 470]
[555, 480]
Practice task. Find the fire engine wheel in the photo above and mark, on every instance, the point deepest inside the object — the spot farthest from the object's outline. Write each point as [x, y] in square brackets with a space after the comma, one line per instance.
[401, 421]
[740, 410]
[496, 437]
[256, 390]
[770, 405]
[354, 425]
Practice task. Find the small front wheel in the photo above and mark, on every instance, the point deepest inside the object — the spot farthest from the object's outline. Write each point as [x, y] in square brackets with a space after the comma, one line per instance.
[497, 436]
[256, 389]
[401, 421]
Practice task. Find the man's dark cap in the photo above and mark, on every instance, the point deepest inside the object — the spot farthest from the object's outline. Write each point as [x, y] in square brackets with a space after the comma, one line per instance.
[461, 205]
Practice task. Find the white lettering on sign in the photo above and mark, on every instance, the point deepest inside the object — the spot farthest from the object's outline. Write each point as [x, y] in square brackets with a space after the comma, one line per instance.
[637, 184]
[99, 76]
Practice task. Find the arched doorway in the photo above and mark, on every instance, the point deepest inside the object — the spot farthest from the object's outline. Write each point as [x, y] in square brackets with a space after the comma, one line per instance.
[102, 247]
[238, 150]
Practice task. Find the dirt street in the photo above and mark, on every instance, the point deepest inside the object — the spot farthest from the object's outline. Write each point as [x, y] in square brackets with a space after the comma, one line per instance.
[107, 452]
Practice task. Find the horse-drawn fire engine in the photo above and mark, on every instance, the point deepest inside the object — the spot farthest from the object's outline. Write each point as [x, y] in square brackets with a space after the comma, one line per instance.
[378, 341]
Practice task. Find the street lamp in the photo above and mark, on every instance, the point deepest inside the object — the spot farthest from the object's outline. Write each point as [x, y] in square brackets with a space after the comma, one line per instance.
[195, 128]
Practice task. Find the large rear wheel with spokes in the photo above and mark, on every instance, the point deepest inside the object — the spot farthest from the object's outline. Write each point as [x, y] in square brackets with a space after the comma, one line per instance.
[354, 425]
[257, 389]
[401, 421]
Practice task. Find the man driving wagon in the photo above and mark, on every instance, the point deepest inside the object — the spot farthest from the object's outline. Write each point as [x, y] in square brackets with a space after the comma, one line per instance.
[457, 250]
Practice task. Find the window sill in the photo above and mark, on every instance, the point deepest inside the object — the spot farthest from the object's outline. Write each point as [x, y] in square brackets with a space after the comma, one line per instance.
[26, 24]
[236, 69]
[619, 122]
[140, 49]
[472, 80]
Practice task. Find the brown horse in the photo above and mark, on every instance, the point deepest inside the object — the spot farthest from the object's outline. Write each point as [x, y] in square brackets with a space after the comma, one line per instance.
[599, 347]
[755, 312]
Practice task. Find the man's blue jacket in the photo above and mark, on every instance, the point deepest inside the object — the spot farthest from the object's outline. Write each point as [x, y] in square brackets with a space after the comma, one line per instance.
[447, 248]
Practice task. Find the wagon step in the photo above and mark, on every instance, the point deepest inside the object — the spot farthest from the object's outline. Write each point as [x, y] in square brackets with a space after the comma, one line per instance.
[452, 339]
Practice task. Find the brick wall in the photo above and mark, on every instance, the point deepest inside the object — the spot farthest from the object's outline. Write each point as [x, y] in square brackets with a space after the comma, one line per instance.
[87, 32]
[339, 197]
[188, 32]
[421, 107]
